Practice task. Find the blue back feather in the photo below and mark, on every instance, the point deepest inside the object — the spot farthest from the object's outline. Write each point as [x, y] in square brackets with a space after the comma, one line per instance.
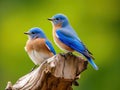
[50, 47]
[70, 41]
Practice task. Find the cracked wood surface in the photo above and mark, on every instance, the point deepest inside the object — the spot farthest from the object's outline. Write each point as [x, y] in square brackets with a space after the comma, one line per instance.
[56, 73]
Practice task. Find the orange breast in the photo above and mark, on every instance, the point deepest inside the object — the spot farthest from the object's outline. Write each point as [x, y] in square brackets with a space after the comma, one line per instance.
[38, 45]
[58, 42]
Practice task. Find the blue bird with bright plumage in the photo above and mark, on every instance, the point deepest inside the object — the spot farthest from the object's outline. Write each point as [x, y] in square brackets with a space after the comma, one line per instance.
[38, 47]
[66, 38]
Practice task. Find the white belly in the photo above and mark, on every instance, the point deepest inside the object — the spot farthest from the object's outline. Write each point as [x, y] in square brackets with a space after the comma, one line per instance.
[37, 57]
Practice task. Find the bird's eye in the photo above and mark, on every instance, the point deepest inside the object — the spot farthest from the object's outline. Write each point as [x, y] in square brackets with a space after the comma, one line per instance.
[33, 33]
[57, 18]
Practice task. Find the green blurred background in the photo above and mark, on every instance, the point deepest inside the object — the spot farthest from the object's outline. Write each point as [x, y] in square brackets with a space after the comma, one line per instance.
[97, 23]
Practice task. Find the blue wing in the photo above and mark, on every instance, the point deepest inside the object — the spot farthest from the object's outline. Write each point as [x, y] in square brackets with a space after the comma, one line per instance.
[50, 47]
[71, 41]
[72, 34]
[75, 44]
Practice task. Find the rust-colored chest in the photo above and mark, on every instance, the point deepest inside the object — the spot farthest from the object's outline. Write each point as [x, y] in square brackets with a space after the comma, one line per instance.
[37, 45]
[60, 44]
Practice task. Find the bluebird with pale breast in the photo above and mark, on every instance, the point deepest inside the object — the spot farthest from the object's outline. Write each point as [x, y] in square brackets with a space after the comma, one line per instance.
[66, 38]
[38, 46]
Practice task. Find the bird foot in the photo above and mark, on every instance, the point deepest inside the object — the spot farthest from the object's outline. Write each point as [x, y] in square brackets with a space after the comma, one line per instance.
[63, 55]
[33, 68]
[69, 53]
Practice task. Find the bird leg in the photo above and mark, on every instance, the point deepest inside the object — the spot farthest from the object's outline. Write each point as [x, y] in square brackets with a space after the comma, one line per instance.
[63, 55]
[33, 68]
[69, 53]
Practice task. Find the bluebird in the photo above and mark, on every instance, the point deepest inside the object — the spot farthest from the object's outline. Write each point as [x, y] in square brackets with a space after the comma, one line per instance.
[67, 39]
[38, 46]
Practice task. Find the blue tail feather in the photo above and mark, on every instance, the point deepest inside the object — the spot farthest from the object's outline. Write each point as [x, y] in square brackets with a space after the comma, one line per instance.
[93, 64]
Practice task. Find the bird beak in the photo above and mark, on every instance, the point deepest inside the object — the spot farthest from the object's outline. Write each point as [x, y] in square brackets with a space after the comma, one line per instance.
[27, 33]
[50, 19]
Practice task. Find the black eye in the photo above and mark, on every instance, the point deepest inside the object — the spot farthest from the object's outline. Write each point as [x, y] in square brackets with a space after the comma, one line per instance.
[57, 19]
[33, 32]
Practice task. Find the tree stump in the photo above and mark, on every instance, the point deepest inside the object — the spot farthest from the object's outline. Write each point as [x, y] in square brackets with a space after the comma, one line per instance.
[56, 73]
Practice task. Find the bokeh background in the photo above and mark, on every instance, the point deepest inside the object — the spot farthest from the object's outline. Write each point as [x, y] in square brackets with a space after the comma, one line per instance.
[97, 23]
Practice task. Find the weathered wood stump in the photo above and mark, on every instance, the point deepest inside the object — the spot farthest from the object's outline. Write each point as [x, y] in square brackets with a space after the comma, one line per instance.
[56, 73]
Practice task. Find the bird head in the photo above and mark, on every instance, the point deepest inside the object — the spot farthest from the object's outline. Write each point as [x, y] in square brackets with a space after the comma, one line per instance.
[59, 19]
[34, 33]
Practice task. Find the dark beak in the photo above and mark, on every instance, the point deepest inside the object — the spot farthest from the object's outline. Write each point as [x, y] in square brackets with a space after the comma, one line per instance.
[27, 33]
[50, 19]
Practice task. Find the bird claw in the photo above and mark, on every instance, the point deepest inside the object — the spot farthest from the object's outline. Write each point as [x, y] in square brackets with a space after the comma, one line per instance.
[70, 53]
[63, 55]
[33, 68]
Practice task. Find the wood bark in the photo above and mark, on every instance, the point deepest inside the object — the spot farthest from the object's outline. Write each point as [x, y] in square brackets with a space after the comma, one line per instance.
[56, 73]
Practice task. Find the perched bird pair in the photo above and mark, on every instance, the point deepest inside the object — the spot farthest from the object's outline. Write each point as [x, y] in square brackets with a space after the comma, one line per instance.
[39, 48]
